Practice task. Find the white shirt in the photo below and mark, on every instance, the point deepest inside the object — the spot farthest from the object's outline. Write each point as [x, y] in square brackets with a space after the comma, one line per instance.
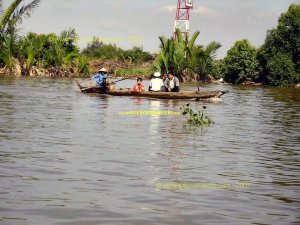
[172, 83]
[156, 84]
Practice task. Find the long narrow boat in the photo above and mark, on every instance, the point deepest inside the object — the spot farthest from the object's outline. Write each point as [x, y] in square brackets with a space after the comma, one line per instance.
[192, 95]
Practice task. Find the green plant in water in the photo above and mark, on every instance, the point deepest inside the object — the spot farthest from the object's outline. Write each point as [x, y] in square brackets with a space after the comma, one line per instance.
[199, 118]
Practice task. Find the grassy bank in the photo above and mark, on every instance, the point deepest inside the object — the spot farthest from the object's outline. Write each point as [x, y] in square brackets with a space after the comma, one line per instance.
[120, 68]
[144, 72]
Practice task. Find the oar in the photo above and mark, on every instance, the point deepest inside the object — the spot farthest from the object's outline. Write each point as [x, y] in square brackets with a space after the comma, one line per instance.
[87, 88]
[122, 79]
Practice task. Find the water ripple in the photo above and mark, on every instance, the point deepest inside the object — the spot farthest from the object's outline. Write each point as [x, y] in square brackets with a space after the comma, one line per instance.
[68, 158]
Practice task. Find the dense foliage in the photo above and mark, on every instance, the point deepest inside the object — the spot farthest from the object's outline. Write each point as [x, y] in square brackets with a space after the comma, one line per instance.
[134, 70]
[50, 50]
[98, 50]
[60, 53]
[240, 64]
[9, 19]
[185, 57]
[276, 63]
[280, 54]
[281, 70]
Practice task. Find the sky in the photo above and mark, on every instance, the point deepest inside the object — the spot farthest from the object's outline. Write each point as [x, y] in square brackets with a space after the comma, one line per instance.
[129, 23]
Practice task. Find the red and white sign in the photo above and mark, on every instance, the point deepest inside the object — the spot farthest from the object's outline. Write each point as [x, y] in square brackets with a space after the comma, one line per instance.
[189, 3]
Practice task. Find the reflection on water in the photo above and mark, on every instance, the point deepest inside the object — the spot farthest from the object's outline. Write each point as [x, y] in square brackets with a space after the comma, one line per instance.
[154, 120]
[70, 158]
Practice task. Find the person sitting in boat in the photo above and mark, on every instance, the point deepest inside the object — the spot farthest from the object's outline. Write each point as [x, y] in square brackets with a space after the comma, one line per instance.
[100, 79]
[164, 77]
[139, 86]
[172, 83]
[156, 83]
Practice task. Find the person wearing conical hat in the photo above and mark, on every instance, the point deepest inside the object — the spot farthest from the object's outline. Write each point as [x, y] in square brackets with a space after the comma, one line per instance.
[99, 80]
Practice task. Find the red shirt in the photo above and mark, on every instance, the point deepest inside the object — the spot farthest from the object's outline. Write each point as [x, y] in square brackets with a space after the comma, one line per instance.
[137, 88]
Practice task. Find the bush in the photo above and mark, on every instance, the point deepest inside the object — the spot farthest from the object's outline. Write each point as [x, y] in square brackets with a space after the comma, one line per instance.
[240, 64]
[125, 72]
[282, 43]
[137, 55]
[281, 70]
[216, 70]
[99, 50]
[51, 51]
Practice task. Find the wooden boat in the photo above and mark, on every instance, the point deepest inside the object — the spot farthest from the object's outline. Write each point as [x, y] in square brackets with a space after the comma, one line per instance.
[192, 95]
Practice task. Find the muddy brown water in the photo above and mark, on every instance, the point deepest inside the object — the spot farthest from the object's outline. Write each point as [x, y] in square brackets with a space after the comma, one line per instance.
[71, 158]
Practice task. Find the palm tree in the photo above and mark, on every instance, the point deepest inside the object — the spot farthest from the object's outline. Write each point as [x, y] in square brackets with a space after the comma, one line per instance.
[180, 57]
[191, 43]
[175, 53]
[185, 57]
[68, 40]
[1, 8]
[6, 53]
[164, 59]
[14, 15]
[9, 18]
[201, 59]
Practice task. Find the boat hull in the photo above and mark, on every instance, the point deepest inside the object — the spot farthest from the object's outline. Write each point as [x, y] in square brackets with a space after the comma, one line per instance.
[160, 95]
[169, 95]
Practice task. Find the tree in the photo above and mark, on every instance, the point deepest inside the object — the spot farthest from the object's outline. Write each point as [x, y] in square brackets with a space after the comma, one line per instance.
[99, 50]
[281, 70]
[9, 19]
[240, 64]
[14, 15]
[283, 43]
[136, 55]
[51, 50]
[6, 53]
[174, 53]
[163, 60]
[68, 40]
[202, 59]
[184, 56]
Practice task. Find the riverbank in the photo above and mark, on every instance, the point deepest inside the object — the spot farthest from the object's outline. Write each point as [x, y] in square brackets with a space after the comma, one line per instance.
[123, 69]
[54, 72]
[117, 69]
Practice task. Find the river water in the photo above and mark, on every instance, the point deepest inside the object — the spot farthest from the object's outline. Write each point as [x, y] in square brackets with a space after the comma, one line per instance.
[71, 158]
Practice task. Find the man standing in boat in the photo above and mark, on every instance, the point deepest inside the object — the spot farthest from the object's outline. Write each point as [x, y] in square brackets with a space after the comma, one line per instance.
[172, 82]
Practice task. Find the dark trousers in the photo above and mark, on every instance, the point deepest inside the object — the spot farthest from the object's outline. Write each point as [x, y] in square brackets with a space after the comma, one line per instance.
[175, 89]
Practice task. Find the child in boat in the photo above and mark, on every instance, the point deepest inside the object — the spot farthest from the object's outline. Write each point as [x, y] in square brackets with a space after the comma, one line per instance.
[139, 86]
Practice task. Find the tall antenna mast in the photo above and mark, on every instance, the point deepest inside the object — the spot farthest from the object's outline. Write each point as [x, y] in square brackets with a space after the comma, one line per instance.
[182, 20]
